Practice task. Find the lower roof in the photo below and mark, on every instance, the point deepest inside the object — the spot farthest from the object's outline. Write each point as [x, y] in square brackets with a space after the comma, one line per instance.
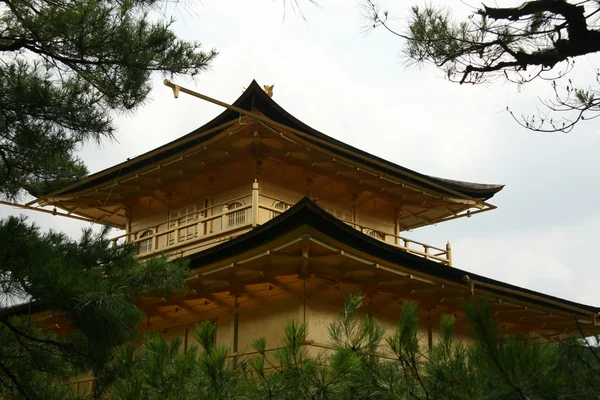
[307, 212]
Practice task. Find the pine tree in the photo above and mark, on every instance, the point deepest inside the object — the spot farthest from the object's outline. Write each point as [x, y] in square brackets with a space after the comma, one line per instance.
[538, 39]
[67, 68]
[89, 286]
[365, 362]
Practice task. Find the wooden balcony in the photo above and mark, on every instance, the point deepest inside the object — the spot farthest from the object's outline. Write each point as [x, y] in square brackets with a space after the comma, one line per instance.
[198, 230]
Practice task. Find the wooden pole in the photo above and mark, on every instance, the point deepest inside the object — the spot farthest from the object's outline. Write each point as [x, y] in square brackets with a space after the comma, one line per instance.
[225, 216]
[429, 331]
[396, 228]
[449, 253]
[255, 199]
[236, 324]
[53, 212]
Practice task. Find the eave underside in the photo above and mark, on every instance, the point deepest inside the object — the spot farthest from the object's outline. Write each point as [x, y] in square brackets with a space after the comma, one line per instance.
[307, 253]
[306, 246]
[260, 149]
[193, 152]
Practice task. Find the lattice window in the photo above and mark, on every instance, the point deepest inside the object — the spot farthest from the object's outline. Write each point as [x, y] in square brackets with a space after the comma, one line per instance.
[182, 217]
[238, 217]
[188, 216]
[280, 205]
[377, 235]
[341, 214]
[145, 246]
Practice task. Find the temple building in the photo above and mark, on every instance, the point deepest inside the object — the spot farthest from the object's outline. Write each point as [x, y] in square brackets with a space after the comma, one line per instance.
[280, 222]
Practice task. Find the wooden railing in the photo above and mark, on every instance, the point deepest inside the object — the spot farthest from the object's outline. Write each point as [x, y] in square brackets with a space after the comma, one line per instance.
[85, 387]
[427, 251]
[208, 226]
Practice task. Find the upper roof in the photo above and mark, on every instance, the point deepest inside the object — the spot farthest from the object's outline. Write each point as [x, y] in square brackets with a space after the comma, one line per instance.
[255, 98]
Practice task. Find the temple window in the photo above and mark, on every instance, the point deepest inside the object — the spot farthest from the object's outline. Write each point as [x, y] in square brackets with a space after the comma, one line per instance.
[377, 235]
[238, 217]
[145, 246]
[280, 205]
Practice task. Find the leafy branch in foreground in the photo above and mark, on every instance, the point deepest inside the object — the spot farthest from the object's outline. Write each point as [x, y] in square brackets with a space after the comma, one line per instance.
[66, 68]
[539, 39]
[362, 362]
[89, 286]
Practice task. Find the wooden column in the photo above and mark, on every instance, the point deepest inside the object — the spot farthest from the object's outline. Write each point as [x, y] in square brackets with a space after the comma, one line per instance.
[203, 216]
[185, 339]
[354, 219]
[236, 319]
[255, 203]
[429, 331]
[224, 218]
[129, 217]
[156, 239]
[449, 253]
[396, 226]
[304, 301]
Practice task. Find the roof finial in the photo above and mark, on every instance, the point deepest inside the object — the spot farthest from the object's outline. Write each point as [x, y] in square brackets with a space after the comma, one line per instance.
[269, 90]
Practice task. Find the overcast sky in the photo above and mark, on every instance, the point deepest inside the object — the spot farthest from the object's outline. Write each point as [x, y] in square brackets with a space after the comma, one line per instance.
[355, 88]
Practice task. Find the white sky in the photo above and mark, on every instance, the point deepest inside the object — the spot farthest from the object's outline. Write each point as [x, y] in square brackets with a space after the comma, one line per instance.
[353, 87]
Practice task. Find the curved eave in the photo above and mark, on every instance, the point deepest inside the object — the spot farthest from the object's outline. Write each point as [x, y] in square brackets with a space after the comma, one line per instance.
[306, 212]
[255, 98]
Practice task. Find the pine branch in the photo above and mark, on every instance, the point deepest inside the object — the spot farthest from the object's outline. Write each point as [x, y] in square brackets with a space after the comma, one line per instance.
[14, 46]
[14, 380]
[64, 347]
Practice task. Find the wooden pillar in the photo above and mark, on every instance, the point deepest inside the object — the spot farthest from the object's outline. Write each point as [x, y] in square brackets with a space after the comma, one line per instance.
[212, 212]
[449, 253]
[429, 331]
[236, 319]
[304, 301]
[396, 227]
[255, 203]
[204, 215]
[185, 339]
[354, 219]
[129, 217]
[156, 239]
[224, 218]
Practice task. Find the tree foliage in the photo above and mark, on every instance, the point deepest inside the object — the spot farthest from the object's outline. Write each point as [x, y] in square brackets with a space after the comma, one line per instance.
[538, 39]
[363, 361]
[66, 68]
[89, 286]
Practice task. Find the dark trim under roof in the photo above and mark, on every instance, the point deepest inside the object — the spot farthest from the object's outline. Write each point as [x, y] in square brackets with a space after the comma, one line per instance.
[306, 212]
[254, 97]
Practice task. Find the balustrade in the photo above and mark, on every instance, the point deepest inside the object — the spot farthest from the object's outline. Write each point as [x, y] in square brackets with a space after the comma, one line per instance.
[210, 225]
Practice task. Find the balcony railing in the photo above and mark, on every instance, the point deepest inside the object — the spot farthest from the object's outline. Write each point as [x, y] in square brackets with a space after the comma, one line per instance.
[203, 228]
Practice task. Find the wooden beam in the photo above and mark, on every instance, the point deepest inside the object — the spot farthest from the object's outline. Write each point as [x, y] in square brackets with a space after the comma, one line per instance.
[38, 209]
